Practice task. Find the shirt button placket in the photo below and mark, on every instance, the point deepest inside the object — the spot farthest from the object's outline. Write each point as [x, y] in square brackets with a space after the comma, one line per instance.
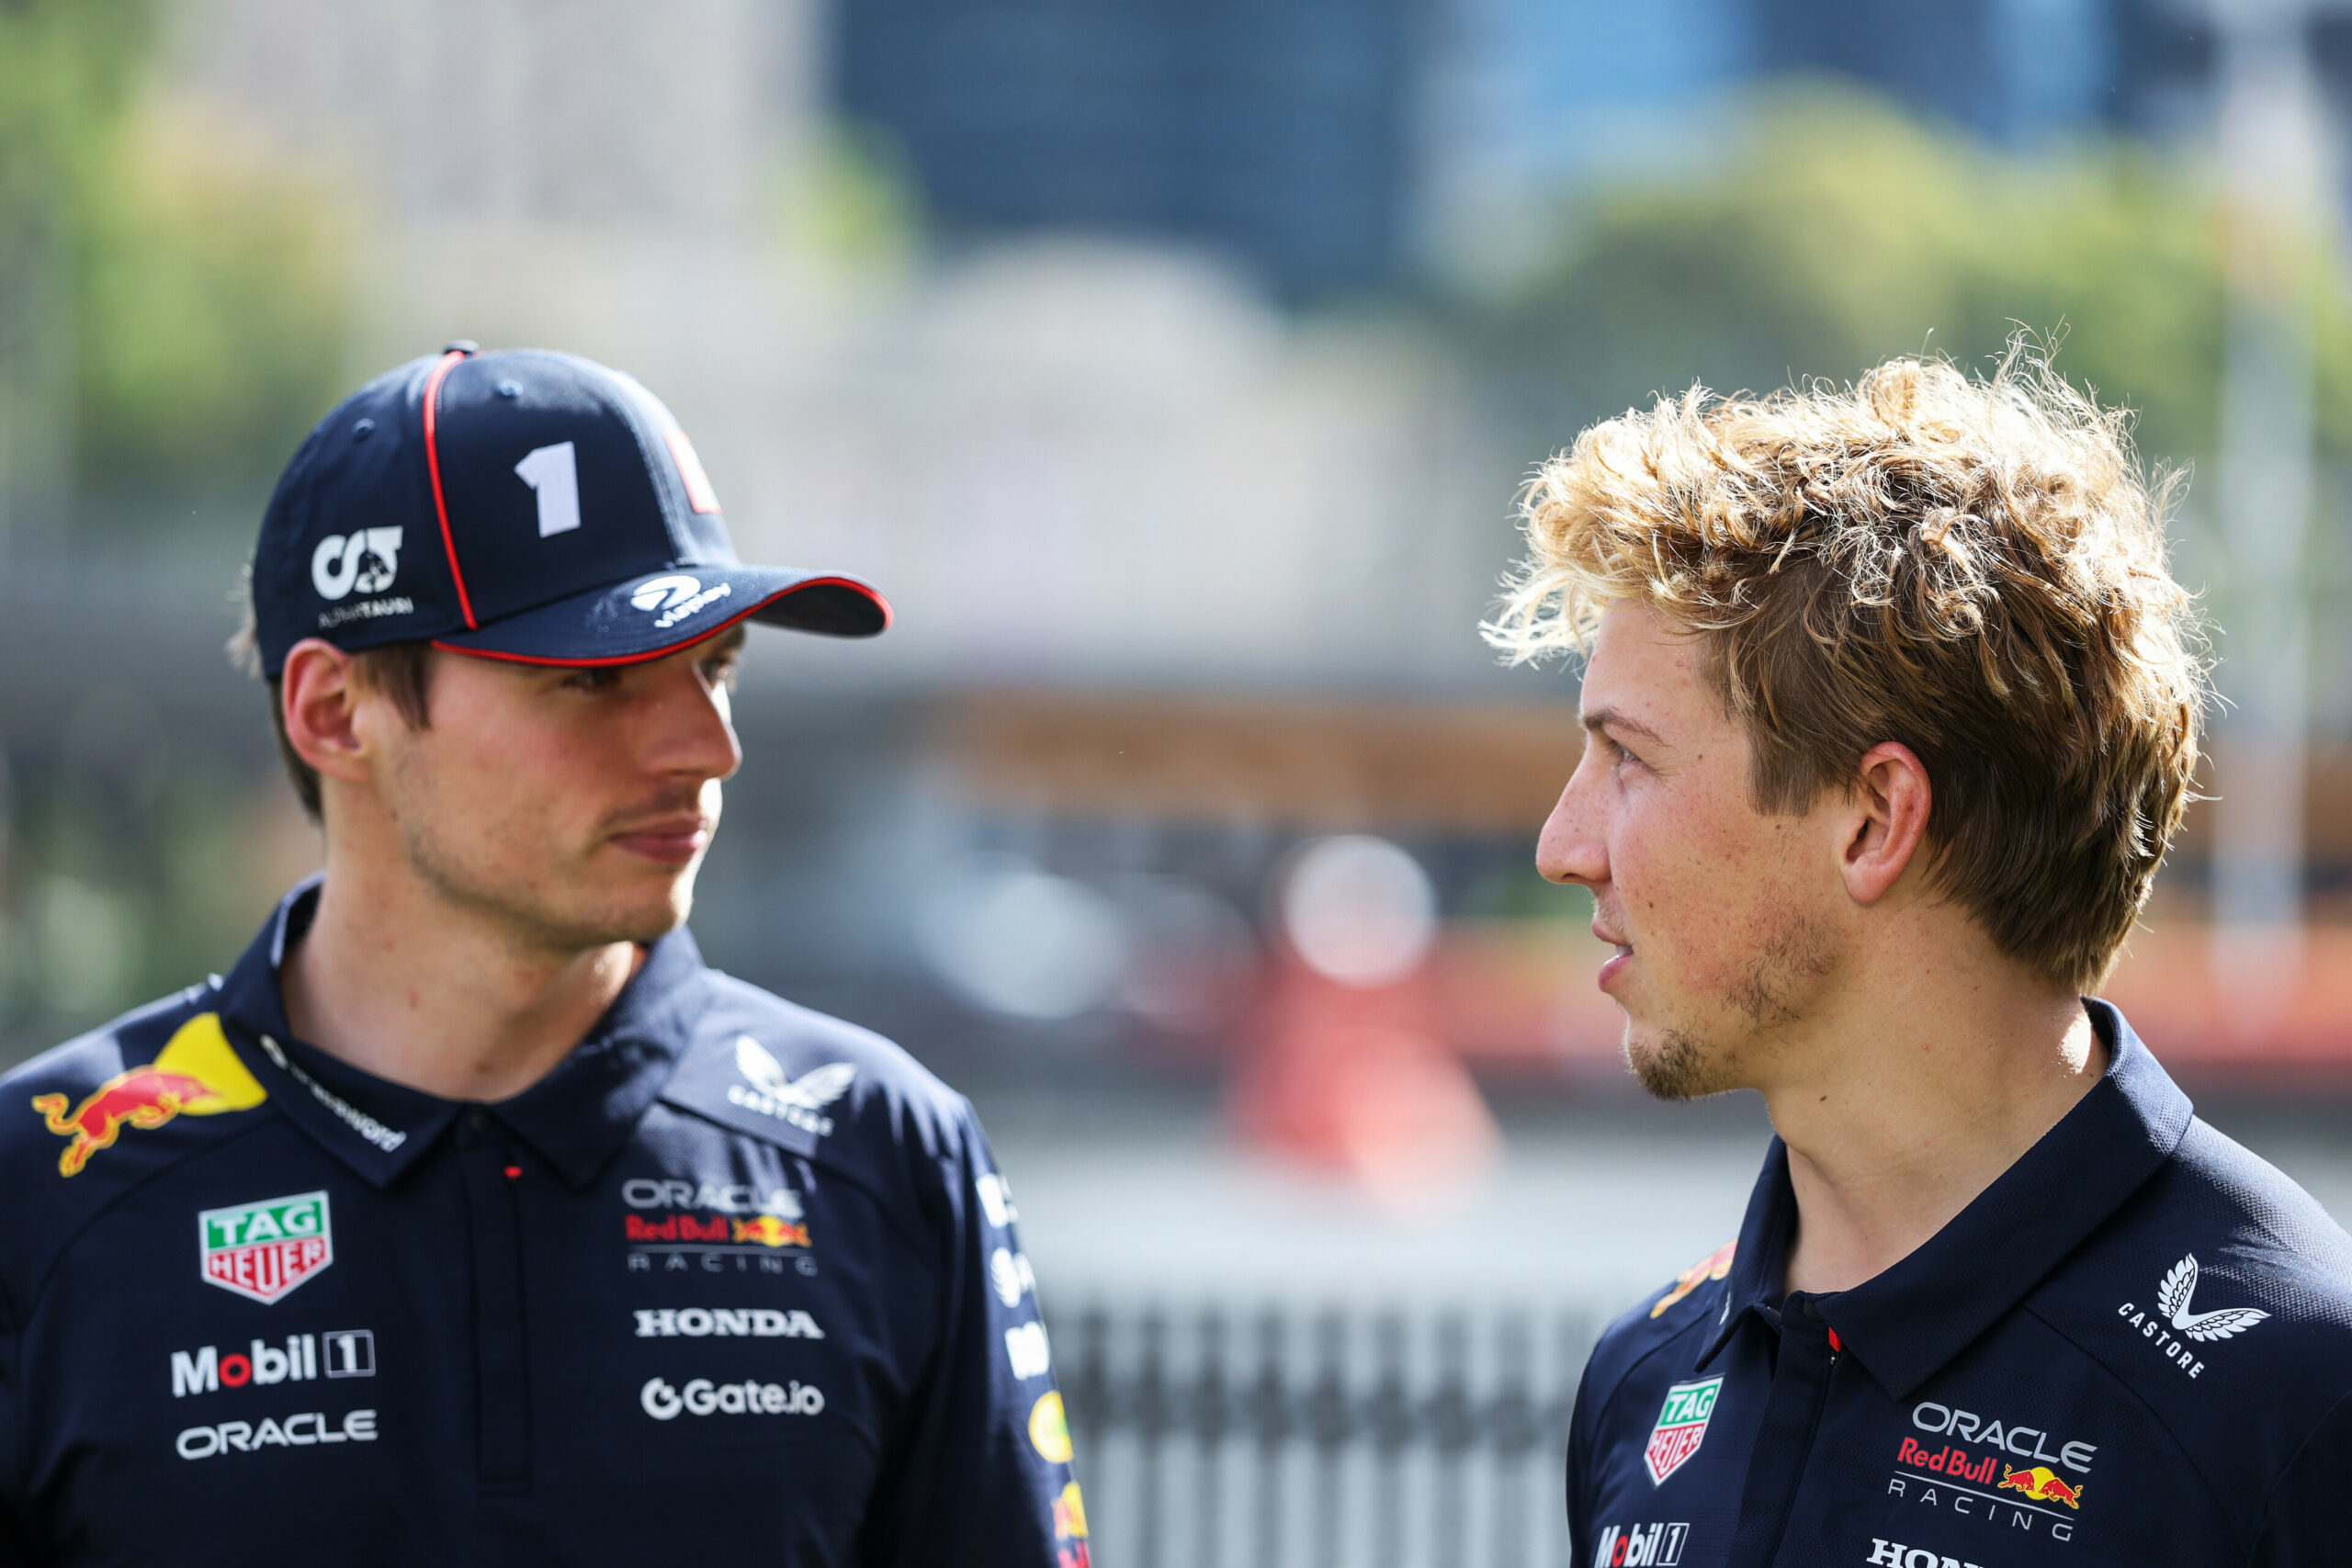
[1802, 1375]
[494, 1232]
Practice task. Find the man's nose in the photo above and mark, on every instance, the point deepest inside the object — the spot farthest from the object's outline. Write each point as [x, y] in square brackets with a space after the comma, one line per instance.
[1571, 848]
[696, 733]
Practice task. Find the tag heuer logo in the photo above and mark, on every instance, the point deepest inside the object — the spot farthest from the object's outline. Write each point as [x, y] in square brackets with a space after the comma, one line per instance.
[265, 1249]
[1682, 1428]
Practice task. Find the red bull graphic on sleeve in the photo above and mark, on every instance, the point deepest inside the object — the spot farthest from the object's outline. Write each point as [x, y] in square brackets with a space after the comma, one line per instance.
[1682, 1428]
[196, 1074]
[1069, 1528]
[264, 1249]
[1717, 1264]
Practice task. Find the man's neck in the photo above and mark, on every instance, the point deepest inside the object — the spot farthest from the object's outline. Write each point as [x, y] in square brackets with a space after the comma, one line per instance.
[1897, 1117]
[405, 983]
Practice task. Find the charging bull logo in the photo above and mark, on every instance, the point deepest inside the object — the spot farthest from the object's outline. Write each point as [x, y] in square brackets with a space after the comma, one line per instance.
[196, 1073]
[1717, 1264]
[2042, 1484]
[771, 1230]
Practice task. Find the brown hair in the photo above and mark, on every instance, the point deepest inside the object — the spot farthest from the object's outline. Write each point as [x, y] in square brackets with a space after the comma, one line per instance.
[401, 671]
[1971, 566]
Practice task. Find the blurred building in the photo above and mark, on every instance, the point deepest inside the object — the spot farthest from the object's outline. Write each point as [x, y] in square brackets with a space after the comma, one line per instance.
[1279, 131]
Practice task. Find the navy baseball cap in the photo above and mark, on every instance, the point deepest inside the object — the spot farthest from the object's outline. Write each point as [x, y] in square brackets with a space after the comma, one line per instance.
[523, 505]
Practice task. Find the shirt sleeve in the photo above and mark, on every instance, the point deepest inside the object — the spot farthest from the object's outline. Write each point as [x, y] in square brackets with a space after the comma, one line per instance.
[2306, 1522]
[1580, 1481]
[16, 1535]
[981, 1477]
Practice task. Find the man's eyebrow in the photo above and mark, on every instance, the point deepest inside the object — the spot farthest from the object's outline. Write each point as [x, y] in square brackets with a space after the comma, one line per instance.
[1610, 718]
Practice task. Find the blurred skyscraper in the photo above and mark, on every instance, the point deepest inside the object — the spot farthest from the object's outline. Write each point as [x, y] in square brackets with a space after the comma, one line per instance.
[1276, 131]
[2007, 69]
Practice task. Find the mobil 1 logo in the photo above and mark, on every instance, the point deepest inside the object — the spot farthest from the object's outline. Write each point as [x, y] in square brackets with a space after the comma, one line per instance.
[338, 1353]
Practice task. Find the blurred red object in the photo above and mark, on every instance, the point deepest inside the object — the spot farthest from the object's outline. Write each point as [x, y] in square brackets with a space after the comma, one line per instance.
[1360, 1082]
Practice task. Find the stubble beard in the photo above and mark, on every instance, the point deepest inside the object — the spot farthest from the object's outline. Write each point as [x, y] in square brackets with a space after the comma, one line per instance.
[553, 923]
[1677, 1063]
[1680, 1062]
[534, 908]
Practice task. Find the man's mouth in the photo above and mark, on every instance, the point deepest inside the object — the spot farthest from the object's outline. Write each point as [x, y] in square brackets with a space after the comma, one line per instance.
[1615, 964]
[670, 840]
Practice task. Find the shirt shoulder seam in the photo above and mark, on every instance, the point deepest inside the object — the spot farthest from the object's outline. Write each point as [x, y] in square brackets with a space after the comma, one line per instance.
[2132, 1389]
[2263, 1517]
[75, 1237]
[839, 1170]
[1608, 1401]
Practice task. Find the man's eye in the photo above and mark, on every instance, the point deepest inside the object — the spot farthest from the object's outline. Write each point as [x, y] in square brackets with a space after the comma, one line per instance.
[593, 679]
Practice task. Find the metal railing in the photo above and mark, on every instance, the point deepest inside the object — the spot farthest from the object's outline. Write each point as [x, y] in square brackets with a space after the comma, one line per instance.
[1345, 1438]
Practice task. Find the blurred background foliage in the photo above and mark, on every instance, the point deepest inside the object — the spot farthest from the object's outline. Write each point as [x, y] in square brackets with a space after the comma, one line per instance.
[212, 286]
[1844, 231]
[193, 280]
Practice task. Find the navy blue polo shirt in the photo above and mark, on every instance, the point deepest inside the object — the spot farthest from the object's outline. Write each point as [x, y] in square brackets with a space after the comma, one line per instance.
[736, 1283]
[2134, 1348]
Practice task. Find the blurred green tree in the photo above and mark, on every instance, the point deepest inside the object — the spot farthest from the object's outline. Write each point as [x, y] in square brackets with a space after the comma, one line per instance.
[171, 291]
[213, 285]
[1842, 231]
[65, 72]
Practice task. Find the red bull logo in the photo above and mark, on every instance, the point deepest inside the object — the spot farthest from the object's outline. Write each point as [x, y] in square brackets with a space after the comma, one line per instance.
[771, 1230]
[196, 1074]
[1717, 1264]
[676, 1227]
[2042, 1484]
[1946, 1460]
[1069, 1515]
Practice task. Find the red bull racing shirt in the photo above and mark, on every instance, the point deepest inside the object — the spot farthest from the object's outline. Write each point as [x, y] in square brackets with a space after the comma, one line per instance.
[2134, 1348]
[737, 1282]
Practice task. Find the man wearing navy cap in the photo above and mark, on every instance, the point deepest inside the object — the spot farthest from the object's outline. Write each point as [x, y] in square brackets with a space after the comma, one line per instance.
[471, 1218]
[1891, 709]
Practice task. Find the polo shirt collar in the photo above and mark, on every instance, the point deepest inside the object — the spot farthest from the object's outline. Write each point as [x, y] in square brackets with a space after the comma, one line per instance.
[576, 1119]
[1909, 1322]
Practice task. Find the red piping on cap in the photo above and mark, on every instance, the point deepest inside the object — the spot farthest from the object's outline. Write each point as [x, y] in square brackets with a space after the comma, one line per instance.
[705, 635]
[432, 466]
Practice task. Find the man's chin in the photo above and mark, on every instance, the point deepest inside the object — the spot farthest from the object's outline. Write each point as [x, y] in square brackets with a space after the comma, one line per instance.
[656, 918]
[1671, 1064]
[644, 915]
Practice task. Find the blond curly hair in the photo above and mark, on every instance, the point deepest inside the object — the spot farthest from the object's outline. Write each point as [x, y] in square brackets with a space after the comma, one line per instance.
[1973, 567]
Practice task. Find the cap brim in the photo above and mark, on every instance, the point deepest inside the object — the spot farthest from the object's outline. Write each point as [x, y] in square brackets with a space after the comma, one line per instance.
[660, 612]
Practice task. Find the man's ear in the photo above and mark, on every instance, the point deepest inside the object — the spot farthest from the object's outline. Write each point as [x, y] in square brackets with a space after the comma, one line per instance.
[321, 702]
[1891, 799]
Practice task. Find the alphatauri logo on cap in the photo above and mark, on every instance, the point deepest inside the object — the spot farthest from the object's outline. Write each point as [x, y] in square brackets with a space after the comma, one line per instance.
[366, 562]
